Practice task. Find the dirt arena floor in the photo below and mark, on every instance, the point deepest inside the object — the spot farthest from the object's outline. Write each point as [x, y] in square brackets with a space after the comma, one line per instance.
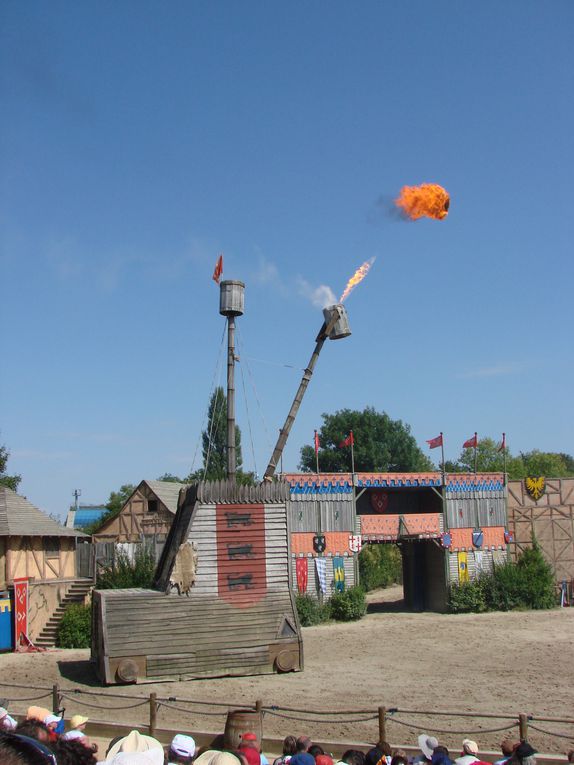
[497, 663]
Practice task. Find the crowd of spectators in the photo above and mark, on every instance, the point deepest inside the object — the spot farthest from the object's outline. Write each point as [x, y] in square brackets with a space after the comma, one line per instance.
[43, 738]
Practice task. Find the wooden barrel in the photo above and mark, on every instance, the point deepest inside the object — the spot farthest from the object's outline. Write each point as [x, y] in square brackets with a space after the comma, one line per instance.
[240, 721]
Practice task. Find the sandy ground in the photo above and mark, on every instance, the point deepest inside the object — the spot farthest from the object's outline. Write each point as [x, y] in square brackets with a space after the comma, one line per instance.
[498, 663]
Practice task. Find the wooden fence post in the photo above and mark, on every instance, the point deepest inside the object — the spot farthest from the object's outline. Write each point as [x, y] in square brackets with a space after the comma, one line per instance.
[152, 713]
[523, 723]
[55, 698]
[382, 724]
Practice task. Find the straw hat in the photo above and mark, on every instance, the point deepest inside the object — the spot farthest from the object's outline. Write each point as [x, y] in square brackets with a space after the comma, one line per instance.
[78, 720]
[148, 750]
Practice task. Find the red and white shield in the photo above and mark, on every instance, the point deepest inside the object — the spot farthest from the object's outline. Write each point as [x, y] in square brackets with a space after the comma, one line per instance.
[355, 543]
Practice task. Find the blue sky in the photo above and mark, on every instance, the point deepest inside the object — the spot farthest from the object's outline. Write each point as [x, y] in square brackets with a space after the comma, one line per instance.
[141, 139]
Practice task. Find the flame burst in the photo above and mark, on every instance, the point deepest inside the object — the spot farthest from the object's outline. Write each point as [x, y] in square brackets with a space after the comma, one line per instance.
[357, 278]
[427, 200]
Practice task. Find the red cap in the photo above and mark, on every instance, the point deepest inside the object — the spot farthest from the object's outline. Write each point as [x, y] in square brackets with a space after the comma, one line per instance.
[248, 737]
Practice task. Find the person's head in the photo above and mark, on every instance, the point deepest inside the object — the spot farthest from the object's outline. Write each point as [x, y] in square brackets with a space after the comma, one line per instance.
[570, 755]
[315, 750]
[353, 757]
[135, 743]
[400, 759]
[427, 745]
[16, 749]
[78, 722]
[289, 745]
[524, 752]
[303, 743]
[181, 749]
[52, 722]
[470, 747]
[249, 740]
[374, 756]
[73, 752]
[508, 746]
[440, 756]
[33, 729]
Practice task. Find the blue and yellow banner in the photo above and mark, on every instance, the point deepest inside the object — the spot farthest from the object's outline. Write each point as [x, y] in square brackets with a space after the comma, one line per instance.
[339, 573]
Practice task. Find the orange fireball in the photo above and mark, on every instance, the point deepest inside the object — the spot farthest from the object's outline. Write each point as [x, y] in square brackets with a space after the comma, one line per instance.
[429, 200]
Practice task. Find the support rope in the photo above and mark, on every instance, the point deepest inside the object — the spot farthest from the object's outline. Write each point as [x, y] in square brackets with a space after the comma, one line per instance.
[550, 733]
[99, 706]
[465, 732]
[248, 417]
[168, 705]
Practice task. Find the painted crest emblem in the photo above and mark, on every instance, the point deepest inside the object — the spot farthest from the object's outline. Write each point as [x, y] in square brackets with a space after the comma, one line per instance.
[355, 543]
[379, 501]
[319, 543]
[535, 486]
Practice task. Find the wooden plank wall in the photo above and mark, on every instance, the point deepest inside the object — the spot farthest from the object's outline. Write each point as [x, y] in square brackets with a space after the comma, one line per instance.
[335, 513]
[550, 519]
[462, 509]
[204, 634]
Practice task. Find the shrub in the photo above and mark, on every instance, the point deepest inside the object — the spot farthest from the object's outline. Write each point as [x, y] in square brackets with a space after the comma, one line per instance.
[467, 597]
[528, 583]
[380, 565]
[537, 579]
[75, 629]
[124, 573]
[312, 612]
[349, 605]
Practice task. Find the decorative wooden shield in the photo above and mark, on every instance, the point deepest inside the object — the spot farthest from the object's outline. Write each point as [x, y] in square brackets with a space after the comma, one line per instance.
[319, 543]
[355, 543]
[535, 486]
[446, 540]
[379, 501]
[478, 538]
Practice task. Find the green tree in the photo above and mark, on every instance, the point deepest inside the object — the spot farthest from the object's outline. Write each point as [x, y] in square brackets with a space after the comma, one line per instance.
[381, 444]
[491, 460]
[10, 481]
[214, 442]
[170, 478]
[548, 464]
[116, 501]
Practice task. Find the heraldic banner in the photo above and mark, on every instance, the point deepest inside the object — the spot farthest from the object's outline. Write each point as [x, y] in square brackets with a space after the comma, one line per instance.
[21, 611]
[339, 573]
[301, 570]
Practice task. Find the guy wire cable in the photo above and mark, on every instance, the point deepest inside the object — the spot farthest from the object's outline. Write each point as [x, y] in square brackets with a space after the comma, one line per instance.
[216, 375]
[239, 344]
[259, 407]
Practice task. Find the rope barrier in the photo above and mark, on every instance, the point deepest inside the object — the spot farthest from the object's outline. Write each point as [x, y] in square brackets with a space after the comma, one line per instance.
[168, 705]
[306, 719]
[32, 698]
[550, 733]
[322, 711]
[99, 706]
[454, 732]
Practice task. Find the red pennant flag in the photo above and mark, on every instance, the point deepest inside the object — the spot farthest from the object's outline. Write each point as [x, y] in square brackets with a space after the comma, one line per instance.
[502, 446]
[349, 441]
[316, 443]
[434, 442]
[472, 443]
[218, 270]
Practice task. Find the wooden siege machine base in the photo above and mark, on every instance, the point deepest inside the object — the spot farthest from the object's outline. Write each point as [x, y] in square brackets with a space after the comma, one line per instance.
[233, 614]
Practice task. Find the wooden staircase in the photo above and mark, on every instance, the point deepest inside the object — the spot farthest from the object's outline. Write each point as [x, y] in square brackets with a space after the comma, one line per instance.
[76, 594]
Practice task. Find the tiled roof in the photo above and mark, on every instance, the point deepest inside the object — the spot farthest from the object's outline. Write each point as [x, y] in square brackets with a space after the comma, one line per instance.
[18, 517]
[167, 492]
[330, 483]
